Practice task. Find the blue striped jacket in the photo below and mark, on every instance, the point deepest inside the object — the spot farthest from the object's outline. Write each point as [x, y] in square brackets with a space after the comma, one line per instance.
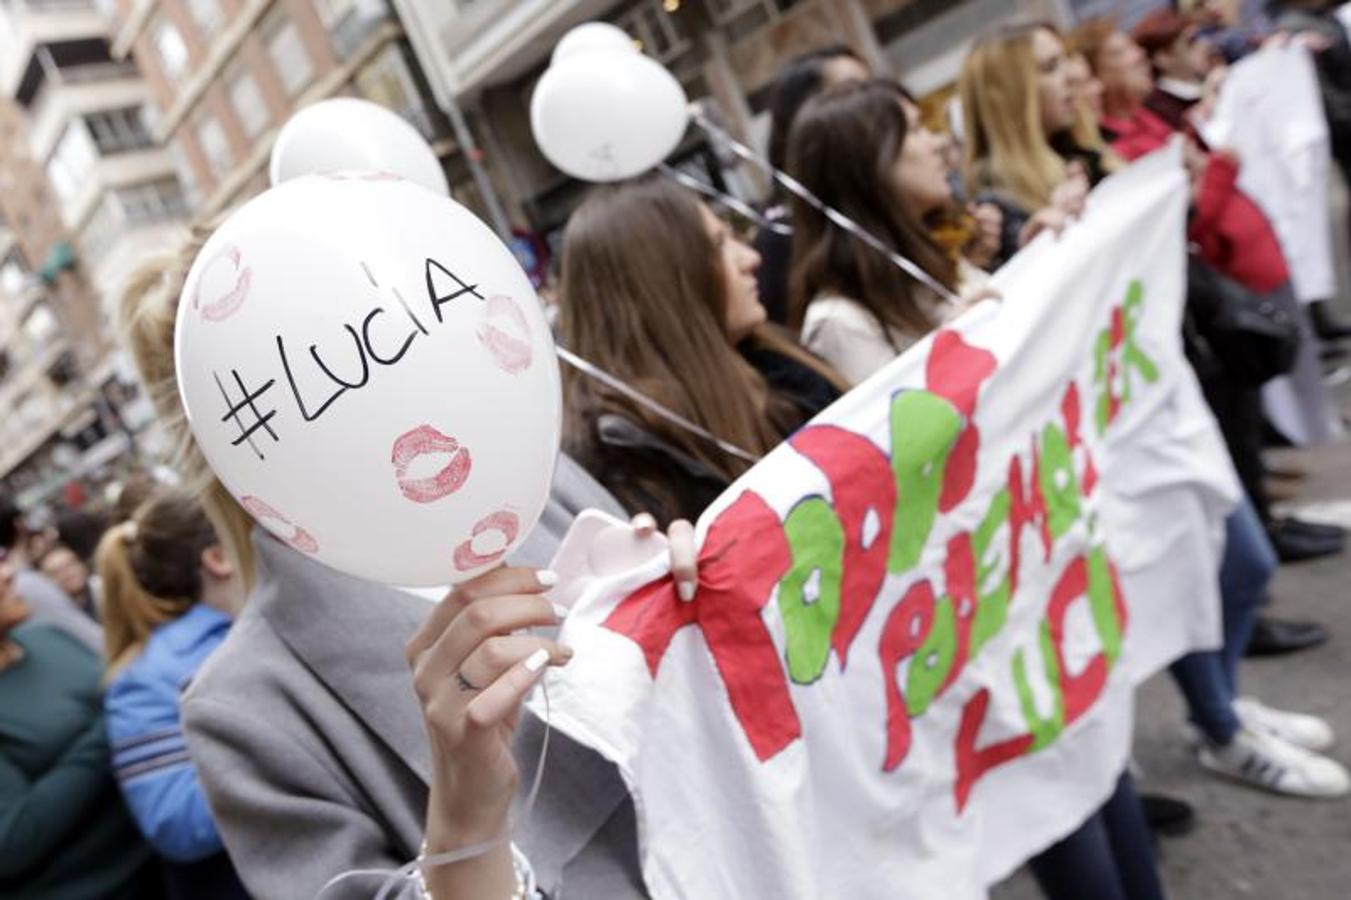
[150, 757]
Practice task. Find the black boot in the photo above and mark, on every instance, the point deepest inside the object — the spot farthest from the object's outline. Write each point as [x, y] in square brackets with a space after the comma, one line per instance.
[1325, 322]
[1168, 816]
[1295, 544]
[1317, 529]
[1277, 637]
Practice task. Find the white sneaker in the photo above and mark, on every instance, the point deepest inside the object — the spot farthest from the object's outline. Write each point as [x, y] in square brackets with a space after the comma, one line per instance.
[1263, 760]
[1309, 732]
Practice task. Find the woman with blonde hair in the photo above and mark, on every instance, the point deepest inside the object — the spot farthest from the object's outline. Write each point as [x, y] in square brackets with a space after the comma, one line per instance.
[169, 594]
[1020, 115]
[345, 728]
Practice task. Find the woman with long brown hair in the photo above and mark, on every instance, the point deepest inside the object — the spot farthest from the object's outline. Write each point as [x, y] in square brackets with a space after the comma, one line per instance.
[169, 595]
[1019, 111]
[657, 291]
[798, 81]
[862, 150]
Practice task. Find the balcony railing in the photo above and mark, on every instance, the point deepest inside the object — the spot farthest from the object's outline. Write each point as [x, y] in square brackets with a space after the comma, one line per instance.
[74, 76]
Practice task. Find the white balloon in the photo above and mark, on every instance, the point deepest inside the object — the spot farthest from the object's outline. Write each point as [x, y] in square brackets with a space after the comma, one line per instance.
[592, 36]
[607, 115]
[346, 133]
[368, 371]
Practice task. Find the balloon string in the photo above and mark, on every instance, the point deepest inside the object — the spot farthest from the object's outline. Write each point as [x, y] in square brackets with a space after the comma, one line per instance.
[412, 871]
[694, 184]
[653, 406]
[796, 187]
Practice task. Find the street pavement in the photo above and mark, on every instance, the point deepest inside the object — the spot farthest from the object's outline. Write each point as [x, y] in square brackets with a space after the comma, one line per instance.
[1248, 843]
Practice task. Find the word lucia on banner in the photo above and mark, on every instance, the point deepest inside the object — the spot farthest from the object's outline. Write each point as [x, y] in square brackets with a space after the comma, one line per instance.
[830, 563]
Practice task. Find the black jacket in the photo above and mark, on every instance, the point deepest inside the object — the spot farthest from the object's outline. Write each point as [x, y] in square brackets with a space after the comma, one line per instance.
[647, 473]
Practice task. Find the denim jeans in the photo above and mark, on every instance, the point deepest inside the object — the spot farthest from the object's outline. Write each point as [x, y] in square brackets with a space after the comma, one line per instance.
[1209, 679]
[1109, 857]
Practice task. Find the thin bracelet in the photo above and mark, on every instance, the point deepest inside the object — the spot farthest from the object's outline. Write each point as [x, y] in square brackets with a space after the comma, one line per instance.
[525, 888]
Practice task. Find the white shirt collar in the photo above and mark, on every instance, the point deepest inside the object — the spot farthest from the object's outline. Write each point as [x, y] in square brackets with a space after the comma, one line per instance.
[1183, 90]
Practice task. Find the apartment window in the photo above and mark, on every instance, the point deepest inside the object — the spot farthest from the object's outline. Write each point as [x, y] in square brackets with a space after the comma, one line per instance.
[187, 176]
[206, 15]
[289, 55]
[248, 104]
[100, 229]
[72, 161]
[118, 130]
[656, 32]
[40, 324]
[169, 47]
[152, 201]
[13, 272]
[333, 11]
[215, 146]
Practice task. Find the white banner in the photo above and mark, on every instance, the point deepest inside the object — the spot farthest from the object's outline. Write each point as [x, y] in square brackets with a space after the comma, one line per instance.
[920, 622]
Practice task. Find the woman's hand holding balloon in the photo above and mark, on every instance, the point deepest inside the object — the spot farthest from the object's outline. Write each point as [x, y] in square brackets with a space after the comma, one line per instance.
[472, 668]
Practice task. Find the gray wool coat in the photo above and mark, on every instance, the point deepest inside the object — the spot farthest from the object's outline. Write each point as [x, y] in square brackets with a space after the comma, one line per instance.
[309, 740]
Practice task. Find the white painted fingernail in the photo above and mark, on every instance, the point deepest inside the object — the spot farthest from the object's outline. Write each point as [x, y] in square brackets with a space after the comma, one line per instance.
[546, 577]
[536, 660]
[643, 520]
[686, 590]
[561, 611]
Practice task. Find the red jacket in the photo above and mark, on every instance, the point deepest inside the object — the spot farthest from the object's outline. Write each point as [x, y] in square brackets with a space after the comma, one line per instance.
[1232, 232]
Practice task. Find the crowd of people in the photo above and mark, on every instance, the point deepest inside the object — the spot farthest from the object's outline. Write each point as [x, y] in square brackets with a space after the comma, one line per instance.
[192, 709]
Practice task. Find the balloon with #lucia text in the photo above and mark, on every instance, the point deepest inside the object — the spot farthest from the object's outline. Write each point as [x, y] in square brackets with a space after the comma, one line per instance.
[367, 370]
[606, 114]
[348, 134]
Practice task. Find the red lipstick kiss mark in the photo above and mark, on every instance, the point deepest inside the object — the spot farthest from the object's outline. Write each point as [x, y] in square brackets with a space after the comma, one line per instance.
[422, 441]
[228, 303]
[511, 353]
[503, 522]
[300, 539]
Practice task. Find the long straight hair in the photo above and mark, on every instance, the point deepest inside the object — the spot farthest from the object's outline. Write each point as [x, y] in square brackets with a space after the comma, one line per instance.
[1007, 149]
[643, 298]
[844, 150]
[150, 568]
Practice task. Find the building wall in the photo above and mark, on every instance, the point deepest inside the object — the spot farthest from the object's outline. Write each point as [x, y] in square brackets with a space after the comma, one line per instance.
[34, 392]
[240, 48]
[26, 200]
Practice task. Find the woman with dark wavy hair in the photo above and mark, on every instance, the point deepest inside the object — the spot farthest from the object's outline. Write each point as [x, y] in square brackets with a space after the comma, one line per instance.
[862, 149]
[798, 81]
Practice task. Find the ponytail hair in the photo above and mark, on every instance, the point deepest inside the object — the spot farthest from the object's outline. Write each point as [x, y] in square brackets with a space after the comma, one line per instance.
[151, 569]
